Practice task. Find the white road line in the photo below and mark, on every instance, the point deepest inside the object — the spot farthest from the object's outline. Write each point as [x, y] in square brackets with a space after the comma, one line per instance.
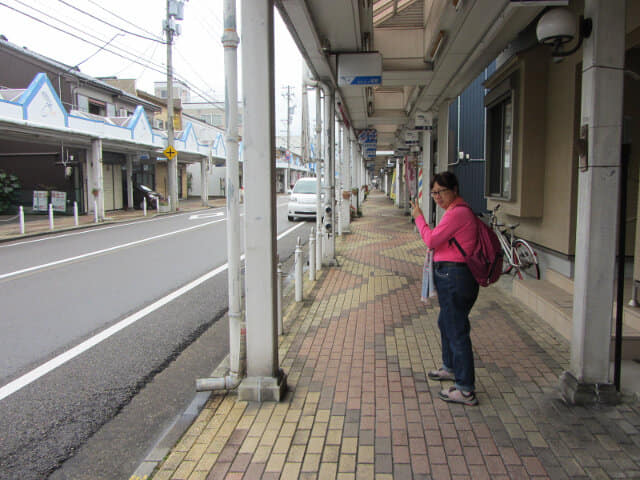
[70, 354]
[61, 359]
[104, 250]
[287, 232]
[89, 230]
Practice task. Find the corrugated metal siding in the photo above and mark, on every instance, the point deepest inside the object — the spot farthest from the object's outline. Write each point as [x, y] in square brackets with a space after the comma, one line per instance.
[471, 119]
[453, 128]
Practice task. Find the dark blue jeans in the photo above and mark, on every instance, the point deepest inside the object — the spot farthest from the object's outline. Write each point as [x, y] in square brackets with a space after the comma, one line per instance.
[457, 292]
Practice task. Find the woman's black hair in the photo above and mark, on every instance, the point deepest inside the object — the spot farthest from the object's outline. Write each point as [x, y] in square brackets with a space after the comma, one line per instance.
[446, 180]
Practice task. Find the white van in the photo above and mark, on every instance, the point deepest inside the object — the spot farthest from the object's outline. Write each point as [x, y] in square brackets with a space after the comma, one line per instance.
[303, 199]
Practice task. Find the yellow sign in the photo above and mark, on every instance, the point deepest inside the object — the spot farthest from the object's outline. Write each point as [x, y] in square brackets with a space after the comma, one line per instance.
[170, 152]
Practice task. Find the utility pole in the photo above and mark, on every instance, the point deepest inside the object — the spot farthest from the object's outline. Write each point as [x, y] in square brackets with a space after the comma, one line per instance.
[175, 11]
[288, 94]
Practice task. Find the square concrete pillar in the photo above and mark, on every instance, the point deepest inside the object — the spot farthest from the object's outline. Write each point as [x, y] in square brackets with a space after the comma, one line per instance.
[588, 379]
[265, 380]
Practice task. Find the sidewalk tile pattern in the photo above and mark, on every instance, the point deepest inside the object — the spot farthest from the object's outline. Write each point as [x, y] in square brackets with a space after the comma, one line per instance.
[360, 406]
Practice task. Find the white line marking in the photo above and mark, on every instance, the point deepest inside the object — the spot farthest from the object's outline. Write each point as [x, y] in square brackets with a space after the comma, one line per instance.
[61, 359]
[198, 216]
[104, 250]
[70, 354]
[284, 234]
[89, 230]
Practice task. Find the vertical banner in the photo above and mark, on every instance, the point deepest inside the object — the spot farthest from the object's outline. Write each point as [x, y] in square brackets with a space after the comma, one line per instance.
[410, 176]
[59, 201]
[40, 200]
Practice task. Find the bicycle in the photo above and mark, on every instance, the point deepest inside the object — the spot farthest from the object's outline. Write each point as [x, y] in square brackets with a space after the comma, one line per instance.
[518, 254]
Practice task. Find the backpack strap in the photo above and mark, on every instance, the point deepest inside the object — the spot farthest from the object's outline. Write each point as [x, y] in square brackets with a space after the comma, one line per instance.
[453, 239]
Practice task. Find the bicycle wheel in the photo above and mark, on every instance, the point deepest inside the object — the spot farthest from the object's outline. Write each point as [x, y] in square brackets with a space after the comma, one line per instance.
[527, 258]
[506, 265]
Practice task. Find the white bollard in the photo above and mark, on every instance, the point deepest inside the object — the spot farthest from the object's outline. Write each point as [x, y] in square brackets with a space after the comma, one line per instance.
[144, 206]
[169, 202]
[158, 206]
[279, 286]
[312, 255]
[75, 213]
[95, 211]
[298, 270]
[21, 220]
[50, 217]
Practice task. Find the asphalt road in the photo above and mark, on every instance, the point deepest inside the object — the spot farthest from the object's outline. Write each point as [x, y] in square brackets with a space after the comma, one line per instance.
[97, 414]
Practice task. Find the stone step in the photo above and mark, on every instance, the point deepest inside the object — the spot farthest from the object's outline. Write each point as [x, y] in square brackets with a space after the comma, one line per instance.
[554, 305]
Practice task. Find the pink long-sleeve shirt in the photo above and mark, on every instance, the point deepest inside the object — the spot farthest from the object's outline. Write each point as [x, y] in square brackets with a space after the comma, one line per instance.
[456, 222]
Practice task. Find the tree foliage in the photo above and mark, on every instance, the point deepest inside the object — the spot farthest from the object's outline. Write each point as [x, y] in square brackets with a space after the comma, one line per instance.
[9, 188]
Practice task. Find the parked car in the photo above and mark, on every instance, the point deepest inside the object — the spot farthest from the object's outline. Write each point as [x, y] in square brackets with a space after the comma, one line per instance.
[303, 199]
[142, 191]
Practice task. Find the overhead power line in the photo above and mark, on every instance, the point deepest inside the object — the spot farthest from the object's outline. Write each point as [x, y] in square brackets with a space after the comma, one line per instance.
[110, 24]
[103, 47]
[155, 35]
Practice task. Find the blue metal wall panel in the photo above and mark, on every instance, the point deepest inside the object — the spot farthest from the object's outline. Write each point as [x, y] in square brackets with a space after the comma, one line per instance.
[471, 119]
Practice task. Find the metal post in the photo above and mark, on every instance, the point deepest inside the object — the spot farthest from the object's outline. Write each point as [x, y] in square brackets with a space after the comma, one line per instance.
[230, 42]
[279, 277]
[144, 206]
[130, 182]
[21, 220]
[312, 256]
[50, 217]
[95, 211]
[318, 178]
[172, 164]
[158, 206]
[298, 269]
[75, 213]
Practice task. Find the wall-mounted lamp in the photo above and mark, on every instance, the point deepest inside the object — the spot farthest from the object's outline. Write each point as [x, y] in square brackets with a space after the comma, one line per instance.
[558, 26]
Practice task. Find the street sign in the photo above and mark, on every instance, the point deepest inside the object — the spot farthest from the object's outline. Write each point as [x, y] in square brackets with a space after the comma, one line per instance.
[170, 152]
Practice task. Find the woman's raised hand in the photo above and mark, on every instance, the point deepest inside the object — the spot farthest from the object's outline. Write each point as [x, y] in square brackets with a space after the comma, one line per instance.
[415, 209]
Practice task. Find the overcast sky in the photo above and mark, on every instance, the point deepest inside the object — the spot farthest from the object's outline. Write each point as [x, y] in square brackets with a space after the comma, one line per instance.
[87, 25]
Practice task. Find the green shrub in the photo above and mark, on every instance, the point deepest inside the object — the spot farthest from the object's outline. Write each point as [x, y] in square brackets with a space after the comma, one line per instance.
[9, 188]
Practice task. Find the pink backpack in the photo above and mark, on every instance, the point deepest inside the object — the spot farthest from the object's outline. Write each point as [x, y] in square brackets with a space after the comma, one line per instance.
[485, 261]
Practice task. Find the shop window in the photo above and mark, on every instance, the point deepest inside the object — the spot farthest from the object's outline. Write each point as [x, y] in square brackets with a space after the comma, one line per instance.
[500, 148]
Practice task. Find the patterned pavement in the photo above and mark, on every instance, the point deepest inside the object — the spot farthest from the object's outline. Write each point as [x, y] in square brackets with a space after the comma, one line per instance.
[360, 406]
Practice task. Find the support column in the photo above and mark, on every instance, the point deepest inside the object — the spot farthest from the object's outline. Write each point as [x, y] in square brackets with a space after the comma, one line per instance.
[397, 185]
[588, 378]
[204, 177]
[130, 204]
[345, 212]
[98, 182]
[265, 381]
[427, 168]
[328, 254]
[442, 163]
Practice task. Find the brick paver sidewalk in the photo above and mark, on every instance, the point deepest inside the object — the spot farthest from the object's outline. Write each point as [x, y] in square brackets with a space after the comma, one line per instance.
[360, 405]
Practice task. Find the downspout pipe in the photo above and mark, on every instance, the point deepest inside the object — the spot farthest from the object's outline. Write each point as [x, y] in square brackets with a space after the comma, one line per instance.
[319, 167]
[230, 42]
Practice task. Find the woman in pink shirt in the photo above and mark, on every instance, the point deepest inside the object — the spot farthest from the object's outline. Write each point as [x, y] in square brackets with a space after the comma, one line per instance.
[456, 287]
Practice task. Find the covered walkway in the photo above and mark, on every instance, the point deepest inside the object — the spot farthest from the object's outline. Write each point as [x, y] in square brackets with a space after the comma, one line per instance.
[357, 351]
